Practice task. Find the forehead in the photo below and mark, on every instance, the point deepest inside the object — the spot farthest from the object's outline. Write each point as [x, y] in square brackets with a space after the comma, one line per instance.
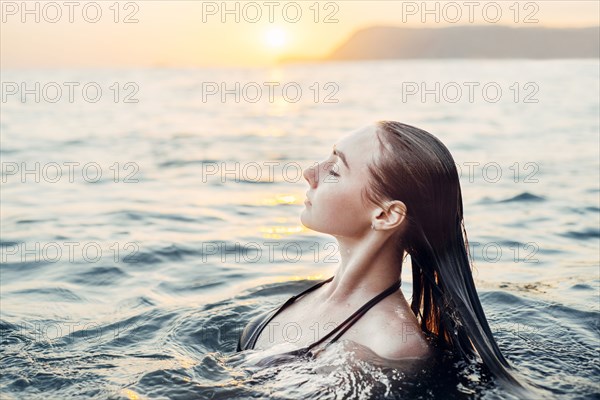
[359, 146]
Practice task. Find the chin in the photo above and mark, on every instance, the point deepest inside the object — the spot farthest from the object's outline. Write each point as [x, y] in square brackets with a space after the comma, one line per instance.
[302, 220]
[306, 222]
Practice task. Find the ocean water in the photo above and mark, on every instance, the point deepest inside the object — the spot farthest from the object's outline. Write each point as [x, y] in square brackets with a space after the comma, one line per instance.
[142, 227]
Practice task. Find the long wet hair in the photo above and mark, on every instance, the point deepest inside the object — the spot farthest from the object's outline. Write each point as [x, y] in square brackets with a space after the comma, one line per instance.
[416, 168]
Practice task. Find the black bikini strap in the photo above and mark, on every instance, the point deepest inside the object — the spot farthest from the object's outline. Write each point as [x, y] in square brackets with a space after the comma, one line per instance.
[310, 289]
[360, 312]
[284, 305]
[296, 297]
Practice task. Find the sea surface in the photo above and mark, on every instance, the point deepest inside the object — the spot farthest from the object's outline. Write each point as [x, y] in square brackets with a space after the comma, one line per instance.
[147, 215]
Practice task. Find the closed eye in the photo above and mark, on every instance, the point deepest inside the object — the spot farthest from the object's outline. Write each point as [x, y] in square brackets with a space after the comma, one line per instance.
[333, 167]
[330, 167]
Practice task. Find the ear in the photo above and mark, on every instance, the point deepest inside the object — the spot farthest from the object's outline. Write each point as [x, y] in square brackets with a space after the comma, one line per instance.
[390, 216]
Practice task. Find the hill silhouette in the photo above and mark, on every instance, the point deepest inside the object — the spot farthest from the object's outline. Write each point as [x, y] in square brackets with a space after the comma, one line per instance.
[391, 42]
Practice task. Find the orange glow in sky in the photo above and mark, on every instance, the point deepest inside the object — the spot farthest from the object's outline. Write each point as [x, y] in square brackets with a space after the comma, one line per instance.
[236, 33]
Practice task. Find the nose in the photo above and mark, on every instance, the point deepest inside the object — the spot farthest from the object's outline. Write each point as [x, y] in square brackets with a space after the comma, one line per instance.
[309, 175]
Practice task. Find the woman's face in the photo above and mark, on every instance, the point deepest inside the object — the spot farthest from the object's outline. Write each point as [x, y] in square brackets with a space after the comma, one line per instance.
[335, 186]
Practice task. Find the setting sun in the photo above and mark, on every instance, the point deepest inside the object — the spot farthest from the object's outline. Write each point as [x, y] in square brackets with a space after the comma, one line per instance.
[275, 37]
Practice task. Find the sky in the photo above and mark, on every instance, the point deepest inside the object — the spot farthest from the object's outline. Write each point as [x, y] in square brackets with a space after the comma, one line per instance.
[236, 33]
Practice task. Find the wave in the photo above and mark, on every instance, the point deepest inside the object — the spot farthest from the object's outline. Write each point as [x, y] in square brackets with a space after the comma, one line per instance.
[523, 197]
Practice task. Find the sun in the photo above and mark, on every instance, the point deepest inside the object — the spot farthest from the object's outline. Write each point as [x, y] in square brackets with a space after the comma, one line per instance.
[275, 38]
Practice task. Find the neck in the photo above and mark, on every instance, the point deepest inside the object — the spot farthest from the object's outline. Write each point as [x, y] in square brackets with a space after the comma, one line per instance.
[369, 265]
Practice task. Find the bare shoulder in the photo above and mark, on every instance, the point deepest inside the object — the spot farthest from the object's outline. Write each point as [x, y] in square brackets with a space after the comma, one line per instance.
[398, 336]
[401, 345]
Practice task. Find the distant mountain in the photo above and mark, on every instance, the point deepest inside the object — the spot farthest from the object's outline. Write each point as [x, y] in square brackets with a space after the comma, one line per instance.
[390, 42]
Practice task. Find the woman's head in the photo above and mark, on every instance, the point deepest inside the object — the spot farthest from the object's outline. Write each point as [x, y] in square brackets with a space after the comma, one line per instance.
[380, 174]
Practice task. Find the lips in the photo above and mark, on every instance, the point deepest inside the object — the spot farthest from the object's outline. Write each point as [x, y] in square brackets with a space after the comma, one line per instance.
[307, 199]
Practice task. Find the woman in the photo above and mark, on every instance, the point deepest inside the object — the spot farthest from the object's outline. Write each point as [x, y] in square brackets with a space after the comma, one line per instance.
[385, 191]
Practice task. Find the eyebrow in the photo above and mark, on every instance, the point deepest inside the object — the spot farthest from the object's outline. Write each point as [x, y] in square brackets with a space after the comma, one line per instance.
[341, 155]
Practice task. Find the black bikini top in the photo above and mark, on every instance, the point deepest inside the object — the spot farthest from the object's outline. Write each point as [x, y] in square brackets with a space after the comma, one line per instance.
[252, 331]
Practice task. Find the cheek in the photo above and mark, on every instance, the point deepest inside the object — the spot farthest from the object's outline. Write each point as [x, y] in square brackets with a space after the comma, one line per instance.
[340, 207]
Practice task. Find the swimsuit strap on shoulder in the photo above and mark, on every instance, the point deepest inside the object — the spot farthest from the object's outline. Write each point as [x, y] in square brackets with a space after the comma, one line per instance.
[284, 305]
[310, 289]
[359, 313]
[295, 297]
